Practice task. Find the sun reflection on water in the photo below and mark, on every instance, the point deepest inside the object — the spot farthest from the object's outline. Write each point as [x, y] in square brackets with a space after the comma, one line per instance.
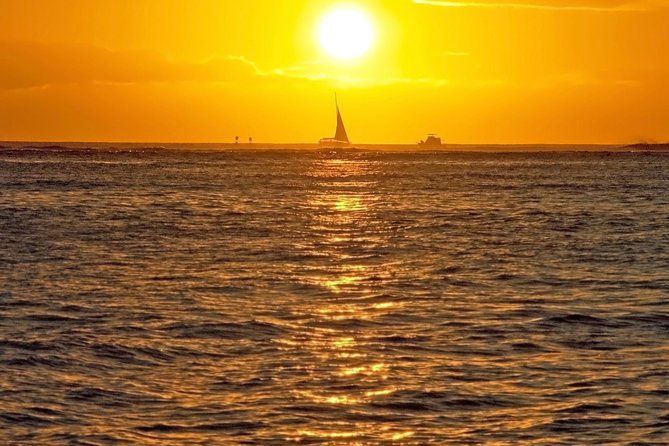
[346, 226]
[349, 204]
[351, 278]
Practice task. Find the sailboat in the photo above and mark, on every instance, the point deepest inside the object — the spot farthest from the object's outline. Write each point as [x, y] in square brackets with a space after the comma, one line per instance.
[340, 140]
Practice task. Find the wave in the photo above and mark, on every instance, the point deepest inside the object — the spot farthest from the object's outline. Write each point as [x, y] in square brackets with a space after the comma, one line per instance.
[419, 401]
[254, 330]
[231, 427]
[79, 150]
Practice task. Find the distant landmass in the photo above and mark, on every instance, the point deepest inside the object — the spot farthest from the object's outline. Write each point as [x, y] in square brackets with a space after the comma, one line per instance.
[661, 147]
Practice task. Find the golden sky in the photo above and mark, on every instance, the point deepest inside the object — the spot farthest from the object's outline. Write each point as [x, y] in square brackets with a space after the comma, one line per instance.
[501, 71]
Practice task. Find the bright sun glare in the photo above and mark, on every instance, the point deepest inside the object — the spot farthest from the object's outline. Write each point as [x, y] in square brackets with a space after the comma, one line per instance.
[346, 33]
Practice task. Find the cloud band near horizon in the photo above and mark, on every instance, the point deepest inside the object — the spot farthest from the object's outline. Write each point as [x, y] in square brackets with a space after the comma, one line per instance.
[621, 7]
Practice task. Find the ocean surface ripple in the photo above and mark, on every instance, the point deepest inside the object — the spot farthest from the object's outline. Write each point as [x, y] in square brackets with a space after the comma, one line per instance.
[287, 297]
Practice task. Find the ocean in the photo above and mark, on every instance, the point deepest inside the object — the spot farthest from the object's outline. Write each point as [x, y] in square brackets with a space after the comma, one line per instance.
[271, 297]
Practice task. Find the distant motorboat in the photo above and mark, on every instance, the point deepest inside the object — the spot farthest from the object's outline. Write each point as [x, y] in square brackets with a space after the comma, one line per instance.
[340, 140]
[432, 142]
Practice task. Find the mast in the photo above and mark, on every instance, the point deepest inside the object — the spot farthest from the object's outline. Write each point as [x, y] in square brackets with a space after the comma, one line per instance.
[340, 134]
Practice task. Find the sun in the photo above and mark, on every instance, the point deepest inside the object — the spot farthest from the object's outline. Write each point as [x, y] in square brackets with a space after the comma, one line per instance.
[346, 33]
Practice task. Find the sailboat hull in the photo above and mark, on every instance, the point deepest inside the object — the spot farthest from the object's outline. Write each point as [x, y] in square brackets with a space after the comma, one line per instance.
[329, 143]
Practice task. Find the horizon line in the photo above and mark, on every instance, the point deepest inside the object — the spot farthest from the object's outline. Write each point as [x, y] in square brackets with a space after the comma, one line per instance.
[260, 143]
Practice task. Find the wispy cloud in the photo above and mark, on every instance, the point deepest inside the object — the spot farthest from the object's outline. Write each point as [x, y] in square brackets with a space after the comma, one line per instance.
[579, 78]
[300, 73]
[624, 7]
[36, 65]
[317, 71]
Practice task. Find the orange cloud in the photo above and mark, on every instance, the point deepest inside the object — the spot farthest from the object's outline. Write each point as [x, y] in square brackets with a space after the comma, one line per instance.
[32, 65]
[595, 6]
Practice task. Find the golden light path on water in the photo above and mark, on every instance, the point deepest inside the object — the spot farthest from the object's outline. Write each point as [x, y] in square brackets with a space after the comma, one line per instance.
[344, 220]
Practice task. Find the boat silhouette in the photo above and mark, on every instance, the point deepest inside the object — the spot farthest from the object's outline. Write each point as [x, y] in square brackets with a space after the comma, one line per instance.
[432, 142]
[340, 139]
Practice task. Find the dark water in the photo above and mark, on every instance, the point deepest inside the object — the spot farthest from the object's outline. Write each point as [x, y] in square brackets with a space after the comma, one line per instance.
[307, 298]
